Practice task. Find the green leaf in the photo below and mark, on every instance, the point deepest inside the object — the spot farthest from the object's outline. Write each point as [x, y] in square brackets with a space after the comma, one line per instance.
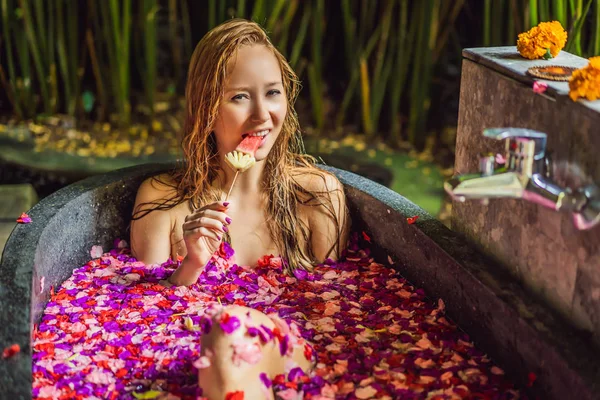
[151, 394]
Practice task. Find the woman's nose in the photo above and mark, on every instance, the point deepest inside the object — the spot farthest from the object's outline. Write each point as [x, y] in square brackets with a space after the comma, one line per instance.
[260, 111]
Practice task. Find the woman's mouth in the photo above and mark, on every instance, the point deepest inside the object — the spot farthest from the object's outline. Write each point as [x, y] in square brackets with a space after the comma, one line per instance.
[264, 133]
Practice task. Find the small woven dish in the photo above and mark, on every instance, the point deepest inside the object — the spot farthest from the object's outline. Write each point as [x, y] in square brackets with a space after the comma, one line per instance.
[552, 72]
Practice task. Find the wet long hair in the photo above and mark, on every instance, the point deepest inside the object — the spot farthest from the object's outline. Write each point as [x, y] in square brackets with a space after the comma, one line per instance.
[207, 75]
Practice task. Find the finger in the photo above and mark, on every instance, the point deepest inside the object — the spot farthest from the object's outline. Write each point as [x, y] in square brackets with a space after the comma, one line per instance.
[218, 215]
[214, 214]
[207, 222]
[217, 206]
[203, 232]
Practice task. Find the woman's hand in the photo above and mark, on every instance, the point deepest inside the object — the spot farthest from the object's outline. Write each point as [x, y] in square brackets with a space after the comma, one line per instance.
[203, 231]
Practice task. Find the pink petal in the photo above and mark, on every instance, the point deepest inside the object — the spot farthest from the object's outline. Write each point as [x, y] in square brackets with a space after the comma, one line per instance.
[96, 252]
[247, 351]
[202, 362]
[539, 87]
[289, 394]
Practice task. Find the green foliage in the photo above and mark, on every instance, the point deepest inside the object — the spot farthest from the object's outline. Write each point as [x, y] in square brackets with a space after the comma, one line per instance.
[149, 8]
[390, 50]
[572, 14]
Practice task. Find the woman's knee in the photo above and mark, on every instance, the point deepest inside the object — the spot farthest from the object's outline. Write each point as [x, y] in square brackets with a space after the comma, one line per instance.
[234, 326]
[233, 321]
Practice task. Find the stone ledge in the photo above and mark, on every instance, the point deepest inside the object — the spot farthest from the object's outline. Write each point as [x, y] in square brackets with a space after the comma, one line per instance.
[507, 61]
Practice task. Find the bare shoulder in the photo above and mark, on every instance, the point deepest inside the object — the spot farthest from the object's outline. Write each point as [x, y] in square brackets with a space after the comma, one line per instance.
[317, 181]
[153, 219]
[327, 212]
[156, 188]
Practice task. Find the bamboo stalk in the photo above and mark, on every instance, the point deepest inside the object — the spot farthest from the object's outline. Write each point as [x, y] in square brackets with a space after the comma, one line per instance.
[533, 13]
[575, 32]
[498, 27]
[51, 59]
[487, 11]
[187, 29]
[40, 24]
[415, 87]
[10, 93]
[275, 13]
[212, 14]
[449, 26]
[560, 10]
[315, 95]
[240, 10]
[404, 51]
[12, 76]
[41, 69]
[355, 72]
[510, 26]
[149, 10]
[282, 41]
[349, 32]
[258, 12]
[24, 85]
[221, 12]
[97, 74]
[124, 64]
[596, 41]
[300, 38]
[515, 12]
[315, 68]
[63, 63]
[544, 8]
[175, 48]
[383, 67]
[365, 92]
[76, 69]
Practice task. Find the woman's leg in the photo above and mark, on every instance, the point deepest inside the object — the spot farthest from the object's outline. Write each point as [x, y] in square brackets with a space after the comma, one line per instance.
[236, 356]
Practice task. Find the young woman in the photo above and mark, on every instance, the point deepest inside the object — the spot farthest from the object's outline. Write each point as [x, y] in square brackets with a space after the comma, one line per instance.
[239, 84]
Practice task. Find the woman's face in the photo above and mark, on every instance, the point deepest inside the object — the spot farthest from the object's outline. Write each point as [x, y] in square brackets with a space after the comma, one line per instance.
[253, 101]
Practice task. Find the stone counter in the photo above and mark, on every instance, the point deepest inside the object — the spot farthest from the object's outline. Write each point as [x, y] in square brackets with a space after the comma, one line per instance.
[539, 246]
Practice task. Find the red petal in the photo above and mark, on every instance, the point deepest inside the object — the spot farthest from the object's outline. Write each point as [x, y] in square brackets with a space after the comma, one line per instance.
[238, 395]
[412, 220]
[11, 351]
[366, 237]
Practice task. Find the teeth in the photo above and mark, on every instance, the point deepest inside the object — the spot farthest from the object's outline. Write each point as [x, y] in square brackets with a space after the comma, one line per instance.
[261, 133]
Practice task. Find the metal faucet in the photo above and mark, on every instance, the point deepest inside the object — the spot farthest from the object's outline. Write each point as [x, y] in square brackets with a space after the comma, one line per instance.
[525, 173]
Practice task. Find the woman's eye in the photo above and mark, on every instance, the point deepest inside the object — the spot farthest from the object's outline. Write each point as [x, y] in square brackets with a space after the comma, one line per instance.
[239, 97]
[273, 92]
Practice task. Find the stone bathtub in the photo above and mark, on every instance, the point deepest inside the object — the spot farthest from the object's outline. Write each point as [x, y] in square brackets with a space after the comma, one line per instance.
[501, 318]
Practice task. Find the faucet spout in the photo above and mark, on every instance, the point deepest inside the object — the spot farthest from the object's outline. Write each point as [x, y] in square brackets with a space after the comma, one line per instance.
[503, 185]
[525, 174]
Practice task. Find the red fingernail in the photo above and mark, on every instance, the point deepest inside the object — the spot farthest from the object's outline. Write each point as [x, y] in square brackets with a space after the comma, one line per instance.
[225, 228]
[226, 203]
[228, 220]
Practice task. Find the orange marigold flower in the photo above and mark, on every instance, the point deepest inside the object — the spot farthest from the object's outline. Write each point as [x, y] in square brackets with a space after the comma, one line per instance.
[536, 42]
[585, 82]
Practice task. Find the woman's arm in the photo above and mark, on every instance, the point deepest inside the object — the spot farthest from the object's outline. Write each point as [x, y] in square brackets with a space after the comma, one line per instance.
[151, 235]
[322, 224]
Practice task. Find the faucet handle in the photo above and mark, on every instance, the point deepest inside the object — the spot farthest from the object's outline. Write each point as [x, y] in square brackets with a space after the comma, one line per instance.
[525, 148]
[523, 135]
